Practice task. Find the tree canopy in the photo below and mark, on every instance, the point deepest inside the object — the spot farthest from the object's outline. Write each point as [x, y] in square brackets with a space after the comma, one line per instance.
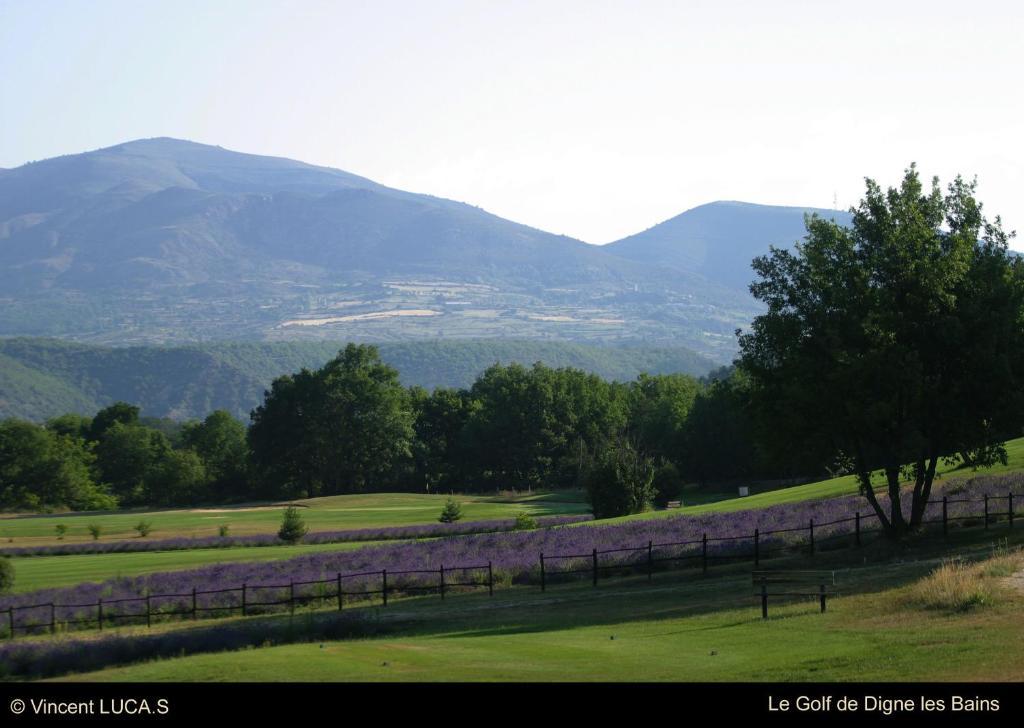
[897, 340]
[337, 429]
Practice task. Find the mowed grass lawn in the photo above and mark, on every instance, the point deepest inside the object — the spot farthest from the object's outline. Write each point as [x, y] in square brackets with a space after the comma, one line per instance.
[697, 502]
[671, 629]
[333, 513]
[43, 572]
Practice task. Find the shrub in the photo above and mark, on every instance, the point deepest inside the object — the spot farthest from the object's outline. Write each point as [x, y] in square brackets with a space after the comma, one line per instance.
[451, 513]
[292, 526]
[620, 482]
[6, 574]
[525, 522]
[668, 484]
[222, 530]
[143, 527]
[61, 530]
[95, 529]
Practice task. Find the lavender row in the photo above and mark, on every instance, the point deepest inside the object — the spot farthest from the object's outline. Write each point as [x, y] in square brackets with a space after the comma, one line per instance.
[514, 555]
[390, 533]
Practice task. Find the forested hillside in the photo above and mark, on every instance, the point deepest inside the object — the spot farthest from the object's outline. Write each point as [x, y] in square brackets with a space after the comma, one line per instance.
[43, 378]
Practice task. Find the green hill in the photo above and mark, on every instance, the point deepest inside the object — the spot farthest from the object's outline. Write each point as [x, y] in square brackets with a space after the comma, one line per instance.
[41, 378]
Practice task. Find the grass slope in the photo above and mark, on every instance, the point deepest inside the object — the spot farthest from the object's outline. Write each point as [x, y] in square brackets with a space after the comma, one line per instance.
[674, 628]
[728, 501]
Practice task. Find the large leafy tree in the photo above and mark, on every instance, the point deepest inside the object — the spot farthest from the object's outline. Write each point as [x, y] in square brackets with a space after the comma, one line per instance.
[659, 406]
[125, 457]
[439, 458]
[42, 470]
[219, 441]
[539, 426]
[718, 437]
[339, 429]
[896, 342]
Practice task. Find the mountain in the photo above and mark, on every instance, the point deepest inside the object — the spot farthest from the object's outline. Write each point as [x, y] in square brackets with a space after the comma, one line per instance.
[719, 240]
[42, 378]
[169, 241]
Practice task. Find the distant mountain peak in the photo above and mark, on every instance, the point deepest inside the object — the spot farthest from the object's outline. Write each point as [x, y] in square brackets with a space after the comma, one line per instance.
[720, 239]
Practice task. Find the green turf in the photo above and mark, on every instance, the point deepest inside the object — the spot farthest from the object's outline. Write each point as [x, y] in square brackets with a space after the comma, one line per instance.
[320, 514]
[697, 502]
[671, 629]
[43, 572]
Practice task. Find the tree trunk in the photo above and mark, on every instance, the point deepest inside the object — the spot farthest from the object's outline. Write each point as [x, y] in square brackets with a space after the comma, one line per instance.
[897, 523]
[865, 481]
[864, 476]
[923, 491]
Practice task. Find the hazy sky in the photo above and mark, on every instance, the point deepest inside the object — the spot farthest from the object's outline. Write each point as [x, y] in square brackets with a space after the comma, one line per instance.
[590, 119]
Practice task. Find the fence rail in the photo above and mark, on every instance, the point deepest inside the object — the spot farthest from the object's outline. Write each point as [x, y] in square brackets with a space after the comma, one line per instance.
[647, 557]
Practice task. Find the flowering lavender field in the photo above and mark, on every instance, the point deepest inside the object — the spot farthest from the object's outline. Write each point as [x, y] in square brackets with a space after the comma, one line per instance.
[390, 533]
[514, 557]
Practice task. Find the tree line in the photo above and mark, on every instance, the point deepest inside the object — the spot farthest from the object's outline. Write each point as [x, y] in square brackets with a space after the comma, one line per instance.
[350, 426]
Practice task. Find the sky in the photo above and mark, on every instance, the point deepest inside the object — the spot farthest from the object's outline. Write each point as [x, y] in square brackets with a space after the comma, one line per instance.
[590, 119]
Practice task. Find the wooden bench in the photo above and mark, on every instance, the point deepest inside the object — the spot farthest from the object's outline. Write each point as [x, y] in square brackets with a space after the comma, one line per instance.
[819, 584]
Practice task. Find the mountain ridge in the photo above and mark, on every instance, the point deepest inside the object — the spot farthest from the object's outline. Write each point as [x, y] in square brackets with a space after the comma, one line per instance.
[163, 240]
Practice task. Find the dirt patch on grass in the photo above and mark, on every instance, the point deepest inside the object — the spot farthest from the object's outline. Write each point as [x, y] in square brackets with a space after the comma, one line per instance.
[274, 507]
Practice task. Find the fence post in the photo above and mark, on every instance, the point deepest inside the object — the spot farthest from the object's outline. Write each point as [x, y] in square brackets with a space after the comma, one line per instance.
[194, 613]
[595, 567]
[821, 588]
[53, 618]
[99, 612]
[757, 546]
[543, 580]
[812, 536]
[291, 597]
[149, 620]
[764, 600]
[339, 591]
[986, 510]
[384, 583]
[244, 600]
[650, 560]
[856, 525]
[1011, 508]
[945, 516]
[442, 581]
[704, 554]
[490, 580]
